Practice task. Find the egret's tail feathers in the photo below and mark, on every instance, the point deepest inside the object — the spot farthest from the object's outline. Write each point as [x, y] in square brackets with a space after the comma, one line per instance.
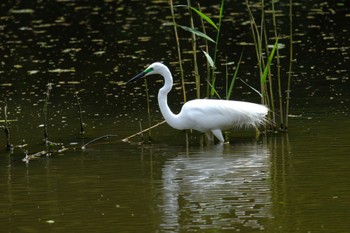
[253, 115]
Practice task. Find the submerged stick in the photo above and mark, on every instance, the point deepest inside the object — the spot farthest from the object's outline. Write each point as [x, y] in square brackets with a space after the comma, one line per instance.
[141, 132]
[82, 131]
[49, 88]
[6, 129]
[148, 110]
[97, 139]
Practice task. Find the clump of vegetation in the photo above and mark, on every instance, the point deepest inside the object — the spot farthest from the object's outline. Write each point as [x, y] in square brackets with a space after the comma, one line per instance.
[268, 57]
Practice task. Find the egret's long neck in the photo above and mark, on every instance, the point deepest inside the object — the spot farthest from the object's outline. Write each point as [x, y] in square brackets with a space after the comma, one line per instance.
[168, 115]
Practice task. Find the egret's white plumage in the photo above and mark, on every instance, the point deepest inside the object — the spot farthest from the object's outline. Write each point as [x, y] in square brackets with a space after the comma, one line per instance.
[210, 116]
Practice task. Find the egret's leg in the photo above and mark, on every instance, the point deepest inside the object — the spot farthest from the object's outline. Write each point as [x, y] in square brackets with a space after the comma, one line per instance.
[218, 134]
[209, 136]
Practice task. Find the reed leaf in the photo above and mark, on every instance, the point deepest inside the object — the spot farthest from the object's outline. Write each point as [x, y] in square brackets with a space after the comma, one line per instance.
[196, 32]
[266, 70]
[228, 96]
[212, 88]
[258, 92]
[205, 17]
[209, 59]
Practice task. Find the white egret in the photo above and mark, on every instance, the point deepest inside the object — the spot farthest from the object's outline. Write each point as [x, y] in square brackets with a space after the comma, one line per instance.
[210, 116]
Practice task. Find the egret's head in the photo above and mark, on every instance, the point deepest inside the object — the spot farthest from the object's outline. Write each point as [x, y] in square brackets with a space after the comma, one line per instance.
[152, 69]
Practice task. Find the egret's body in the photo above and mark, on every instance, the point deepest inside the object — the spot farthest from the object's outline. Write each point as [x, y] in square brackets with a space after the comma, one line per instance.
[210, 116]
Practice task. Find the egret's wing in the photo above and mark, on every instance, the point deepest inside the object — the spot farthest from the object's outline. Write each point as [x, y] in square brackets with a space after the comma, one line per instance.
[207, 114]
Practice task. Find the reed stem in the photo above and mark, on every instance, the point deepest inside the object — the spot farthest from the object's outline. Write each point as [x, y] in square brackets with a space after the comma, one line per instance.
[194, 50]
[258, 49]
[207, 51]
[178, 50]
[290, 61]
[280, 97]
[213, 76]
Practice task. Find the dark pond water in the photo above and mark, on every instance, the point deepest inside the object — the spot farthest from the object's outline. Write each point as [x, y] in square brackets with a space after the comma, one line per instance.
[293, 182]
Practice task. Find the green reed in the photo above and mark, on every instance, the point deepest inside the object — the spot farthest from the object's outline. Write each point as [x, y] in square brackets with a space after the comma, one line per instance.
[268, 56]
[194, 50]
[206, 44]
[213, 74]
[290, 62]
[280, 96]
[195, 33]
[178, 50]
[260, 37]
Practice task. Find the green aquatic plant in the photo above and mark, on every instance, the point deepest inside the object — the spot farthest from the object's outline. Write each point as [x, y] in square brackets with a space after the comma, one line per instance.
[268, 56]
[194, 34]
[260, 37]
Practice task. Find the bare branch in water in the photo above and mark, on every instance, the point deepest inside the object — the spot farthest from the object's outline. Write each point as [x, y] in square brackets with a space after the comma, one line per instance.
[97, 139]
[141, 132]
[49, 88]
